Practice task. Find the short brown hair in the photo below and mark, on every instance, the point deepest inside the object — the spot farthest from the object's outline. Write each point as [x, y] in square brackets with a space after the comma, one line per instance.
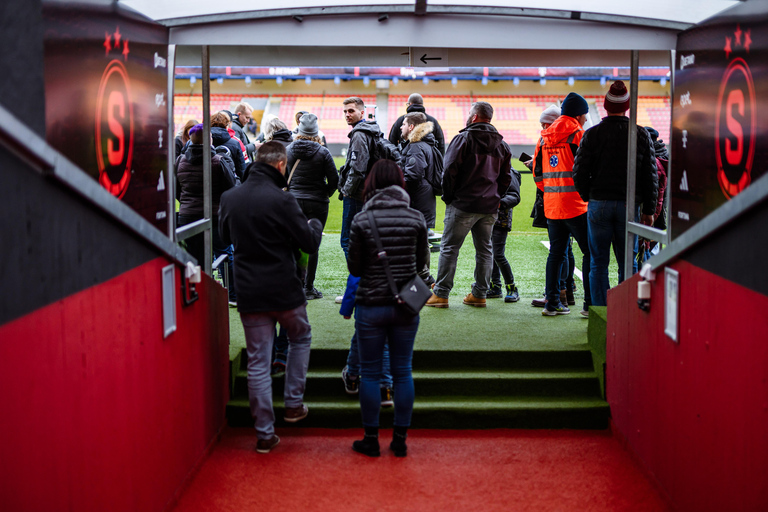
[359, 103]
[219, 120]
[271, 153]
[415, 118]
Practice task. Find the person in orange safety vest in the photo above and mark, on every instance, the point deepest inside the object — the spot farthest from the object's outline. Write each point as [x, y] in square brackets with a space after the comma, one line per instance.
[565, 211]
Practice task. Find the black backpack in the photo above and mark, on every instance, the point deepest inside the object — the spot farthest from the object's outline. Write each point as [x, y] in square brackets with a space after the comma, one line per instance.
[434, 173]
[381, 148]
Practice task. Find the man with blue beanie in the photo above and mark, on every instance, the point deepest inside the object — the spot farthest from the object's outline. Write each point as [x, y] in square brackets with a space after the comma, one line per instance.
[565, 211]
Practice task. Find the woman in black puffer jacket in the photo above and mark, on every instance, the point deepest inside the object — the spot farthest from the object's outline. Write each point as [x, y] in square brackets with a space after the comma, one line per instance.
[221, 137]
[378, 318]
[312, 182]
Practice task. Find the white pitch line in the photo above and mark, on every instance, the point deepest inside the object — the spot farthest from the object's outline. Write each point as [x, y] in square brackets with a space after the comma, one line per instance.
[576, 271]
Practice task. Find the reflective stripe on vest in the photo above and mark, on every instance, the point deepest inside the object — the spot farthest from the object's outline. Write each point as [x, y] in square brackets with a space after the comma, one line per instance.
[560, 189]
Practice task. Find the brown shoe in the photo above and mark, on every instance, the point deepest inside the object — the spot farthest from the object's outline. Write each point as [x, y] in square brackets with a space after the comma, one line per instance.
[437, 302]
[471, 300]
[294, 414]
[539, 303]
[266, 445]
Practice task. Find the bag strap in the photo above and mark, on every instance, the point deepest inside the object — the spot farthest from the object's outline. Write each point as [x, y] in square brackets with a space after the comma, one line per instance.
[382, 254]
[295, 165]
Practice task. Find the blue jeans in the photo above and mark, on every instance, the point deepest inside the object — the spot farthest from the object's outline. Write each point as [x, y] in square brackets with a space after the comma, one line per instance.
[501, 267]
[353, 362]
[259, 334]
[607, 221]
[377, 325]
[457, 226]
[560, 231]
[566, 271]
[350, 208]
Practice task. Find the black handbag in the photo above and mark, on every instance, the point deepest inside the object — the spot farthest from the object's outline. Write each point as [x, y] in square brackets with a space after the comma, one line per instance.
[414, 293]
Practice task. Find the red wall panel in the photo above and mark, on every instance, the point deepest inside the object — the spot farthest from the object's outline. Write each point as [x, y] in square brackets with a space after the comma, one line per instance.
[696, 413]
[99, 411]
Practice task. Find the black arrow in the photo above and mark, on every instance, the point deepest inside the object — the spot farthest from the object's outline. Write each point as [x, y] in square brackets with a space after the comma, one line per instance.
[424, 58]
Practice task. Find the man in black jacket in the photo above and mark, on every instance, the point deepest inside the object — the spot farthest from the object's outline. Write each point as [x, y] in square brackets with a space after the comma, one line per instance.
[242, 116]
[477, 175]
[600, 177]
[416, 104]
[268, 230]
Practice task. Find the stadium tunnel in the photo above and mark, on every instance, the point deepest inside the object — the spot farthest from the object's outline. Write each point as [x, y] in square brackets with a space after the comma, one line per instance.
[102, 329]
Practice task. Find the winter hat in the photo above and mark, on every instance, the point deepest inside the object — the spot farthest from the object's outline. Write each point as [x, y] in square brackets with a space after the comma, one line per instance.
[617, 99]
[652, 132]
[549, 115]
[574, 105]
[308, 125]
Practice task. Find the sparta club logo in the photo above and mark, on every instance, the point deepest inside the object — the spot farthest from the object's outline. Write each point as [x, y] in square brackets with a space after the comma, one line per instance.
[114, 120]
[735, 124]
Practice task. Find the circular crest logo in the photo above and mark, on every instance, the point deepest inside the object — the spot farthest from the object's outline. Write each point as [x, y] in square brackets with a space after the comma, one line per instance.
[114, 129]
[735, 128]
[553, 161]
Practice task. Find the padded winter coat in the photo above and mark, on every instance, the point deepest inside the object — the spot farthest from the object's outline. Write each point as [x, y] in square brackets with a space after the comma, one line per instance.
[355, 170]
[403, 234]
[189, 176]
[221, 137]
[315, 178]
[600, 169]
[477, 169]
[418, 158]
[395, 132]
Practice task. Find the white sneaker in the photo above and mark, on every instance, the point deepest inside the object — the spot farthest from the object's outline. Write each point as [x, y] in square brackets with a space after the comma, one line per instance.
[339, 299]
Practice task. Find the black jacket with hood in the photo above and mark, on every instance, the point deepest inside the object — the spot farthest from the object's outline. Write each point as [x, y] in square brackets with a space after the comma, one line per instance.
[250, 147]
[600, 166]
[189, 179]
[477, 169]
[403, 234]
[268, 229]
[315, 177]
[395, 134]
[356, 167]
[418, 158]
[221, 137]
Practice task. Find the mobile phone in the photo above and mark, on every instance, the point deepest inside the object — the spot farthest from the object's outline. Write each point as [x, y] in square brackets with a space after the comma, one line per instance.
[524, 157]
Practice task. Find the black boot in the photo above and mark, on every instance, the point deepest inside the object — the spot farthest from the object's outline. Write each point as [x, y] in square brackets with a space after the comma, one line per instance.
[369, 445]
[398, 445]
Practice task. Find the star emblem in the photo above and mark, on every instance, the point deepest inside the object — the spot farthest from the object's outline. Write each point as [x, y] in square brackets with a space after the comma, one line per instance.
[107, 43]
[727, 48]
[738, 35]
[126, 51]
[117, 37]
[747, 39]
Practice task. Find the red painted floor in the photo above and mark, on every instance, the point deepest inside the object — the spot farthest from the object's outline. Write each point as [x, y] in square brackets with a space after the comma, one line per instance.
[446, 470]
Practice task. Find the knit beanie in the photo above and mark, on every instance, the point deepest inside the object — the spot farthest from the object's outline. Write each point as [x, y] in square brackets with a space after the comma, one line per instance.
[308, 125]
[549, 115]
[617, 99]
[574, 105]
[652, 132]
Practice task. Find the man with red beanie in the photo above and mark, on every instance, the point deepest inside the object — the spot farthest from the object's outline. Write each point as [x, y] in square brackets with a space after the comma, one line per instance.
[600, 176]
[565, 211]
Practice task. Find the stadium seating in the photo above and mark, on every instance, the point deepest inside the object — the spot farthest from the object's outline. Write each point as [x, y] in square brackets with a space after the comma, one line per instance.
[516, 117]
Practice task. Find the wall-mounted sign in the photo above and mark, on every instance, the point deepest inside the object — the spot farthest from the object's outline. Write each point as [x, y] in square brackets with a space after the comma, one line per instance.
[106, 80]
[671, 303]
[719, 116]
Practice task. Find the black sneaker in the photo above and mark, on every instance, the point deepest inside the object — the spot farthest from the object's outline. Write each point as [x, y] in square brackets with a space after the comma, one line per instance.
[559, 309]
[386, 397]
[494, 292]
[351, 382]
[512, 294]
[312, 294]
[266, 445]
[278, 369]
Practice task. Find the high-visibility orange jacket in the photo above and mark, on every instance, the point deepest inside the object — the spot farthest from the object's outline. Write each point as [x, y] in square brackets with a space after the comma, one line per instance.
[553, 169]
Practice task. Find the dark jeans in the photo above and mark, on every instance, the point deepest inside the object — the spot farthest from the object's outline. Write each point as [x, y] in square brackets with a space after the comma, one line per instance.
[500, 263]
[377, 326]
[559, 232]
[313, 210]
[351, 208]
[569, 265]
[607, 222]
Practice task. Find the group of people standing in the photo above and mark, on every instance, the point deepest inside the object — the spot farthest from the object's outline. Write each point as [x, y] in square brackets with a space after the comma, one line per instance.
[388, 188]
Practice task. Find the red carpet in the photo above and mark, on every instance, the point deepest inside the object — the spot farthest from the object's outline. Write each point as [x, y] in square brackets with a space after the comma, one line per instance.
[446, 470]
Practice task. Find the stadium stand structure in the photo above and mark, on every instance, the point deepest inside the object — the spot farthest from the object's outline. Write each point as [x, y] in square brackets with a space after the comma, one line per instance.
[516, 117]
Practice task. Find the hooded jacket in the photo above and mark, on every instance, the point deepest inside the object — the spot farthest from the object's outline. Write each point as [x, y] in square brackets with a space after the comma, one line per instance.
[221, 137]
[418, 158]
[553, 169]
[189, 176]
[356, 167]
[268, 229]
[250, 147]
[477, 169]
[395, 133]
[315, 177]
[403, 234]
[284, 137]
[508, 202]
[600, 169]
